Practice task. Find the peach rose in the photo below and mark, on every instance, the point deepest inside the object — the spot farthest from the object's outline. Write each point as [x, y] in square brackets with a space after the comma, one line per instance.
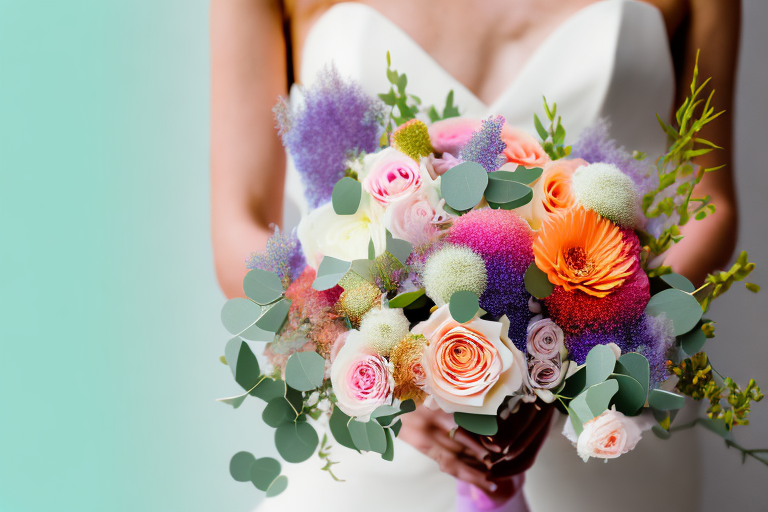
[469, 367]
[522, 148]
[609, 435]
[390, 175]
[450, 135]
[551, 192]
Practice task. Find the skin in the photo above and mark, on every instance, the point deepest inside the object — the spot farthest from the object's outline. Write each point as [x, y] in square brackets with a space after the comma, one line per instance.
[249, 70]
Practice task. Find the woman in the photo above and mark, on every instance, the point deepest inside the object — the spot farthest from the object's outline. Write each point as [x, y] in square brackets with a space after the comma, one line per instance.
[618, 59]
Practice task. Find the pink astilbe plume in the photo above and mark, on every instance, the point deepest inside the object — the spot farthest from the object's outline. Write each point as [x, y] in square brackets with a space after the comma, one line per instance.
[504, 240]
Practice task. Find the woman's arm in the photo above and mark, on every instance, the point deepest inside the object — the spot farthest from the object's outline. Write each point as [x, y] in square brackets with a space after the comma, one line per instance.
[713, 27]
[248, 73]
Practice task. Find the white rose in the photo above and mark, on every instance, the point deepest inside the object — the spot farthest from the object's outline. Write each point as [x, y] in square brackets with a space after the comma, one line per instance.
[346, 237]
[609, 435]
[362, 379]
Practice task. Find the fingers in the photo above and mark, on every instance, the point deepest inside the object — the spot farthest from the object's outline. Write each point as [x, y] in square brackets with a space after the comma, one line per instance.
[524, 461]
[539, 423]
[449, 463]
[470, 443]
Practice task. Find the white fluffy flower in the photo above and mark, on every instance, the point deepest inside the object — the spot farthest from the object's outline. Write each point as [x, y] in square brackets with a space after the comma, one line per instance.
[384, 328]
[345, 237]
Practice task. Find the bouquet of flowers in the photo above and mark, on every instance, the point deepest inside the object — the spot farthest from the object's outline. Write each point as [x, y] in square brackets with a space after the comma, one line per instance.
[464, 265]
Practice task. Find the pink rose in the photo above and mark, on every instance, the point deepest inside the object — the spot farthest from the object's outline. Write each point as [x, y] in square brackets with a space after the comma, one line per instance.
[411, 218]
[609, 435]
[450, 135]
[469, 367]
[522, 149]
[390, 175]
[438, 166]
[361, 379]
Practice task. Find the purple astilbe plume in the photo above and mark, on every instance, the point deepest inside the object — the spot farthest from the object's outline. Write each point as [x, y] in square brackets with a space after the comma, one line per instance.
[595, 145]
[486, 146]
[282, 256]
[337, 119]
[651, 336]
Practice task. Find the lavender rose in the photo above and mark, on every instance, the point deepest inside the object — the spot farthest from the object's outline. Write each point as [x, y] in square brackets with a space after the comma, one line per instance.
[546, 340]
[545, 374]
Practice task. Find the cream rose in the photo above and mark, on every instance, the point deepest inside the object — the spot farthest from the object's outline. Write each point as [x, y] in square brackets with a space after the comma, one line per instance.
[469, 367]
[361, 379]
[346, 237]
[609, 435]
[412, 218]
[390, 175]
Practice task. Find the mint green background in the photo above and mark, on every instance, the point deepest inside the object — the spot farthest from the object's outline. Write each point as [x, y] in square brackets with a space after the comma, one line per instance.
[108, 302]
[109, 329]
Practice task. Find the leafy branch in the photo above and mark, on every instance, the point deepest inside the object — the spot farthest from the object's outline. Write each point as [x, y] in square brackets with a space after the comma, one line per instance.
[403, 106]
[553, 138]
[677, 176]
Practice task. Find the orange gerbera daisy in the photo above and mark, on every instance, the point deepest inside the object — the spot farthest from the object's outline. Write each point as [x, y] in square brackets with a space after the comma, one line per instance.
[579, 250]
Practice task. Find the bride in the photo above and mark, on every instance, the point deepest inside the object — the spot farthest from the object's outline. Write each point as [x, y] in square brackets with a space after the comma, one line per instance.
[613, 59]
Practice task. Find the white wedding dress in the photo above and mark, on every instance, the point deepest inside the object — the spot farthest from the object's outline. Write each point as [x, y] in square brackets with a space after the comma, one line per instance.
[612, 61]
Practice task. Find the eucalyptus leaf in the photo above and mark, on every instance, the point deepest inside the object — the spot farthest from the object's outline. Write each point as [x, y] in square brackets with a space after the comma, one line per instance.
[578, 425]
[256, 333]
[262, 287]
[463, 185]
[630, 397]
[537, 283]
[269, 389]
[692, 342]
[278, 412]
[525, 175]
[234, 401]
[463, 306]
[304, 371]
[296, 442]
[660, 432]
[339, 429]
[637, 367]
[665, 400]
[240, 466]
[329, 273]
[278, 486]
[600, 364]
[580, 408]
[575, 384]
[368, 436]
[247, 370]
[406, 406]
[599, 396]
[238, 314]
[389, 452]
[481, 424]
[503, 191]
[273, 319]
[231, 352]
[346, 196]
[680, 307]
[405, 299]
[400, 249]
[384, 410]
[679, 282]
[263, 472]
[395, 428]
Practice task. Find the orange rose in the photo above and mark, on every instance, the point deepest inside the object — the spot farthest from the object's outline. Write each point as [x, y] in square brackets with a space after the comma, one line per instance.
[469, 367]
[552, 192]
[522, 149]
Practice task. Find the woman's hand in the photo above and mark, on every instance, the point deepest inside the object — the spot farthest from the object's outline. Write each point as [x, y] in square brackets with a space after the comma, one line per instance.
[460, 455]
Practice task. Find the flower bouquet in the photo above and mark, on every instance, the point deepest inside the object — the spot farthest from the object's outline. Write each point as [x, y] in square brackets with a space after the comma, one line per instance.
[464, 265]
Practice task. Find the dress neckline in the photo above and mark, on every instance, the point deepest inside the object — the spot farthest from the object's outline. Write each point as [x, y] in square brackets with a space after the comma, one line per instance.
[426, 56]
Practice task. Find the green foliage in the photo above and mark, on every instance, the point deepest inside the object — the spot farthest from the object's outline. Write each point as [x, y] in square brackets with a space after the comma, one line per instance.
[678, 306]
[727, 401]
[600, 364]
[450, 110]
[346, 196]
[325, 455]
[553, 137]
[403, 106]
[481, 424]
[405, 299]
[262, 287]
[304, 371]
[463, 185]
[717, 284]
[537, 283]
[675, 170]
[463, 306]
